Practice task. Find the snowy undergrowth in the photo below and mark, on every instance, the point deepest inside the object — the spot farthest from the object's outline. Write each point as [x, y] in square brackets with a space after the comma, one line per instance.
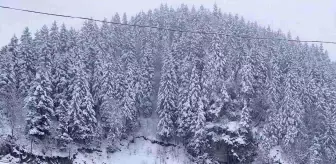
[277, 155]
[134, 150]
[148, 127]
[139, 152]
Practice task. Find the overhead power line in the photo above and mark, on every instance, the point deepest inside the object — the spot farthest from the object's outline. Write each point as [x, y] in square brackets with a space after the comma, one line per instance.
[163, 28]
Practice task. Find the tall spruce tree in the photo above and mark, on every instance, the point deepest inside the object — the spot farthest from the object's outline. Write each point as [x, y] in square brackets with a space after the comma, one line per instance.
[195, 119]
[146, 103]
[82, 121]
[39, 105]
[167, 100]
[28, 56]
[128, 102]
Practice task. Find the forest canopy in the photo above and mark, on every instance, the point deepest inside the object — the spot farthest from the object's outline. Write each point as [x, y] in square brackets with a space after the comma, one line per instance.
[95, 83]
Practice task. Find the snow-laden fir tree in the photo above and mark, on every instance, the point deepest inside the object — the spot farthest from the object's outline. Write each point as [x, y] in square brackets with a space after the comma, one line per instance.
[93, 61]
[82, 121]
[214, 77]
[167, 100]
[44, 48]
[128, 102]
[66, 75]
[315, 152]
[16, 65]
[147, 74]
[194, 116]
[191, 115]
[28, 56]
[246, 92]
[39, 106]
[54, 40]
[63, 137]
[12, 84]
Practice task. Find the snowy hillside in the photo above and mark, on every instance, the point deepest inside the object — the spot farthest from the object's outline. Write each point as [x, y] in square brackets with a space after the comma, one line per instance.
[139, 150]
[144, 148]
[113, 92]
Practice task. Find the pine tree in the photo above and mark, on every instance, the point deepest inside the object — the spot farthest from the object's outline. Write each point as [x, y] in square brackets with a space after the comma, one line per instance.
[315, 154]
[192, 117]
[82, 121]
[55, 72]
[63, 128]
[214, 77]
[247, 92]
[54, 40]
[147, 82]
[44, 49]
[93, 61]
[63, 89]
[40, 107]
[167, 100]
[12, 84]
[63, 39]
[29, 59]
[325, 120]
[128, 102]
[195, 119]
[16, 65]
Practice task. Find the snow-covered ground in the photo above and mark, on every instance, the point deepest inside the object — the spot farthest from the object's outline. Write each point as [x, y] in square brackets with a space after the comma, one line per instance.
[277, 155]
[139, 152]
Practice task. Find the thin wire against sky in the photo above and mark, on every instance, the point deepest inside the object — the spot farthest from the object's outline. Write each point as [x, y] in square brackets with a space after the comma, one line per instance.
[163, 28]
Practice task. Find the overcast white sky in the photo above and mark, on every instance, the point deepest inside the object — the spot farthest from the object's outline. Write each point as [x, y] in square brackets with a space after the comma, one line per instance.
[308, 19]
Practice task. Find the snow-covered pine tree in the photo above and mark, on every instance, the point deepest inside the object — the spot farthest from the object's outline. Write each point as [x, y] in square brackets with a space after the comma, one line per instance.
[192, 112]
[12, 80]
[196, 123]
[246, 92]
[64, 87]
[56, 62]
[325, 119]
[62, 135]
[39, 105]
[63, 39]
[214, 78]
[128, 102]
[16, 65]
[111, 122]
[167, 100]
[147, 82]
[44, 48]
[272, 130]
[292, 109]
[181, 53]
[30, 60]
[91, 56]
[315, 152]
[118, 41]
[54, 40]
[82, 121]
[55, 43]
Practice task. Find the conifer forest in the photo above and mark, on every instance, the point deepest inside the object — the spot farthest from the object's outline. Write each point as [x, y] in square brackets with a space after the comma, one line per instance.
[212, 88]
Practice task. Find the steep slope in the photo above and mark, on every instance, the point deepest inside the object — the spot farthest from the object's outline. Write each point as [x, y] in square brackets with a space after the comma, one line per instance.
[139, 150]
